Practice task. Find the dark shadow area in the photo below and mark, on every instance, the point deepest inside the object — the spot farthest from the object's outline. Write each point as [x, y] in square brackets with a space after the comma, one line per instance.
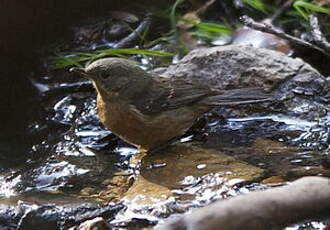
[26, 27]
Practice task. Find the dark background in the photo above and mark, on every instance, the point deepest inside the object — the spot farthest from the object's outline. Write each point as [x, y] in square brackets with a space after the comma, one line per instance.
[27, 26]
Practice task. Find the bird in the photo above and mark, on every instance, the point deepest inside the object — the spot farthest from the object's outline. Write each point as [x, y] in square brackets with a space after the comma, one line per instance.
[149, 111]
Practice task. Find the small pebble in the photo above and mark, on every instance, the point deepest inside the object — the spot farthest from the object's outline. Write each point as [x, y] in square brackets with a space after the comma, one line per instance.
[201, 166]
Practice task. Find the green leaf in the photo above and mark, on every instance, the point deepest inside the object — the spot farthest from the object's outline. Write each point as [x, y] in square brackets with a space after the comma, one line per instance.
[136, 52]
[208, 30]
[305, 8]
[259, 5]
[78, 58]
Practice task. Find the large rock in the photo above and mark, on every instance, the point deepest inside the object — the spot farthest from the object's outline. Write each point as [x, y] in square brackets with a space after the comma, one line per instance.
[241, 66]
[299, 89]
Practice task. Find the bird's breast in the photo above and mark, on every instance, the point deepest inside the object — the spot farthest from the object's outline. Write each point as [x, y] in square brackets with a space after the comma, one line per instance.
[122, 120]
[146, 131]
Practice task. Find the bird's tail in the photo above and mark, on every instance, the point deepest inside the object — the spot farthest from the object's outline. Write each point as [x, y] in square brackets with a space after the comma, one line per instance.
[239, 97]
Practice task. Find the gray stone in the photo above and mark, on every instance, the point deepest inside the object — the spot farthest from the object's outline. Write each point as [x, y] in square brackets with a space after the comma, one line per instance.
[233, 66]
[294, 83]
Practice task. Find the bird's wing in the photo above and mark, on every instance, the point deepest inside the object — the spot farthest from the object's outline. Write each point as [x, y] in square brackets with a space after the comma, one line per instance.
[238, 97]
[167, 94]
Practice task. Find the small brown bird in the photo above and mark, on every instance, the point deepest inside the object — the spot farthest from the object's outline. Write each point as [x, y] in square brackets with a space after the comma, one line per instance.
[148, 111]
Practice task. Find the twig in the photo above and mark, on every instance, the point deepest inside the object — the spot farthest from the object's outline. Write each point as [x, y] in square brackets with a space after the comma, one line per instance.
[280, 10]
[317, 34]
[204, 8]
[136, 34]
[267, 28]
[304, 199]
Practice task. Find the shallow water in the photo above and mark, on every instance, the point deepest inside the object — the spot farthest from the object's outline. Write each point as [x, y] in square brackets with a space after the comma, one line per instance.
[230, 157]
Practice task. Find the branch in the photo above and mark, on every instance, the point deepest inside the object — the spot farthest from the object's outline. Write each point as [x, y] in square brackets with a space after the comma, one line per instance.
[305, 199]
[267, 28]
[281, 10]
[136, 35]
[318, 36]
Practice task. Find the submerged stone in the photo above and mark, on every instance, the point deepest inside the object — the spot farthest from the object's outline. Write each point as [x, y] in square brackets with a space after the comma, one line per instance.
[182, 160]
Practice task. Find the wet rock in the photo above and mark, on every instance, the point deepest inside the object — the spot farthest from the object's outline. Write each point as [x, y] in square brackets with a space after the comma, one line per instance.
[197, 175]
[144, 192]
[97, 223]
[146, 202]
[45, 217]
[170, 167]
[273, 180]
[53, 217]
[269, 147]
[116, 189]
[9, 217]
[298, 172]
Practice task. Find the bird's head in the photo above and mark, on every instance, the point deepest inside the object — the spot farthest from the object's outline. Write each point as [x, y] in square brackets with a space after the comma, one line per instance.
[113, 75]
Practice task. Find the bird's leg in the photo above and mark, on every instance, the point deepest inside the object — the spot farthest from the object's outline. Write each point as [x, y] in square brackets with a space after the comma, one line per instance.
[200, 128]
[165, 146]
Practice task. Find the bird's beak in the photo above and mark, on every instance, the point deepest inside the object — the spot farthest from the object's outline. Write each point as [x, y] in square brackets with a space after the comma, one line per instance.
[80, 71]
